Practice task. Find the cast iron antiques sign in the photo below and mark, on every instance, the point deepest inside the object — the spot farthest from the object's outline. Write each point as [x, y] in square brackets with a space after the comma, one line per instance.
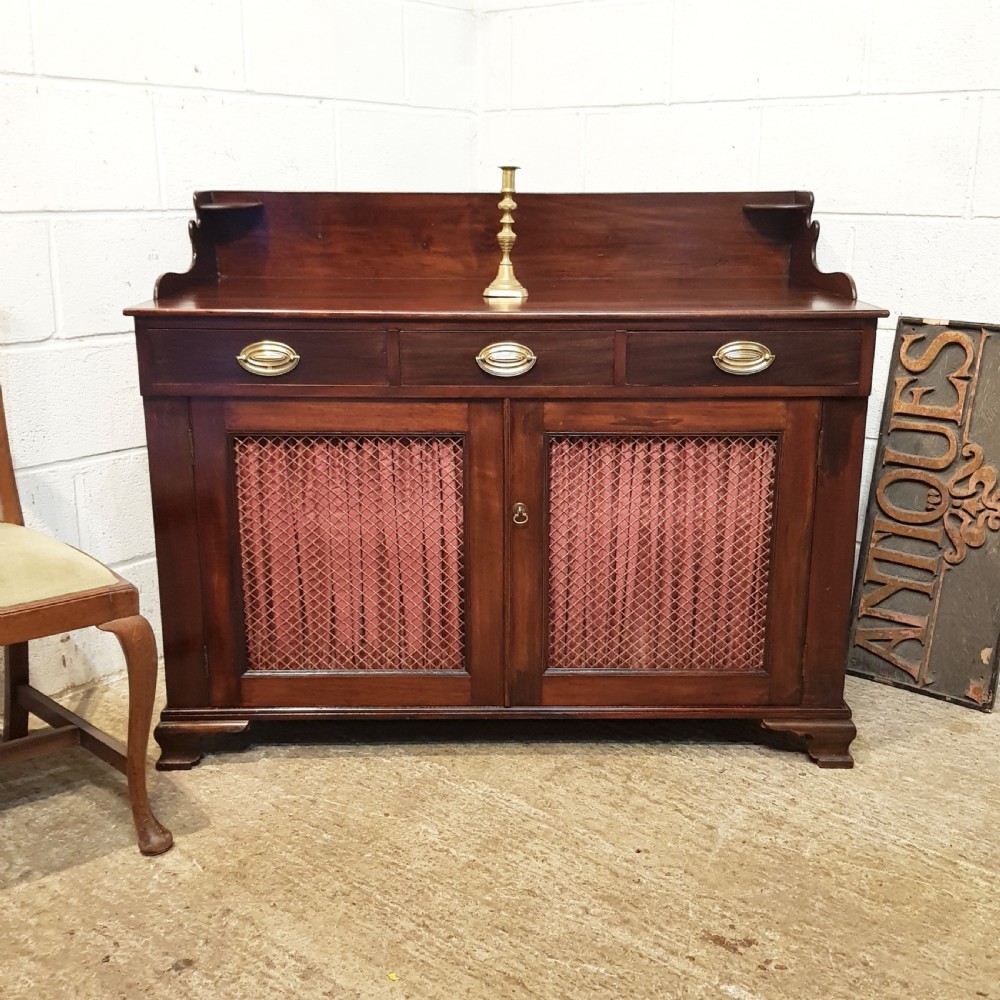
[927, 596]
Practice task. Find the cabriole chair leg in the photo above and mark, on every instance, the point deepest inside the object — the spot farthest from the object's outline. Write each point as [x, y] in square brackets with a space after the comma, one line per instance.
[139, 646]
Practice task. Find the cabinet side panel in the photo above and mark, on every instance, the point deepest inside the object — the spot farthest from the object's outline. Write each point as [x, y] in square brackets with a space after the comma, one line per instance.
[171, 475]
[218, 546]
[793, 559]
[839, 480]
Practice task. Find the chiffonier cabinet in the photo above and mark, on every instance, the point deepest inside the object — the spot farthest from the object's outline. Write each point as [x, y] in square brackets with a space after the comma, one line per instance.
[377, 494]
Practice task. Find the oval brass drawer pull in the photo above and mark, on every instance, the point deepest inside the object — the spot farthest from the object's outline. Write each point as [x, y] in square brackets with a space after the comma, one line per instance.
[506, 359]
[268, 357]
[743, 357]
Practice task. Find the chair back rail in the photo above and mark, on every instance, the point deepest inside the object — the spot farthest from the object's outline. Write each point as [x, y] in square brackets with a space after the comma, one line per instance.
[10, 504]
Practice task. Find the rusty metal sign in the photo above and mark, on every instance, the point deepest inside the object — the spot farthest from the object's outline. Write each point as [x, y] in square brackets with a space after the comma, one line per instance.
[926, 610]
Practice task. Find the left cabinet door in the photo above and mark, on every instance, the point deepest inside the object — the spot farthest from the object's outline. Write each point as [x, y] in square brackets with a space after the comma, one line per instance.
[351, 552]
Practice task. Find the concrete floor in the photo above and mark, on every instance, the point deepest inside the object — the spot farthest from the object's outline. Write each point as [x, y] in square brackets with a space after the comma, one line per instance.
[544, 861]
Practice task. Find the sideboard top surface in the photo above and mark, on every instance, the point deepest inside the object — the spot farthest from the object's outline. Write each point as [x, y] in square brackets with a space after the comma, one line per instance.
[429, 256]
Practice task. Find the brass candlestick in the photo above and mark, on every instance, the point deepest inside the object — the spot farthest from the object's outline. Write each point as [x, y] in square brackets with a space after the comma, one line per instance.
[505, 285]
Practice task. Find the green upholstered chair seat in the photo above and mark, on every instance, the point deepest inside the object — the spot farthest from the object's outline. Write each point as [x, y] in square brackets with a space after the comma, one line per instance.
[34, 567]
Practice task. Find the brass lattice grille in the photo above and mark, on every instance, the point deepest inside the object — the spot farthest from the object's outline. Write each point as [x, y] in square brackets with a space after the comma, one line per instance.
[351, 551]
[659, 550]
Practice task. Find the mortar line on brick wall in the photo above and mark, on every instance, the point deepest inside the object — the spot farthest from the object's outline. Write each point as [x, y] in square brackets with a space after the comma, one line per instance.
[357, 105]
[50, 344]
[493, 11]
[477, 92]
[161, 183]
[900, 216]
[596, 109]
[759, 140]
[245, 94]
[468, 7]
[335, 145]
[337, 164]
[243, 46]
[79, 463]
[404, 27]
[761, 102]
[866, 49]
[124, 565]
[673, 53]
[97, 214]
[974, 174]
[839, 98]
[33, 34]
[57, 311]
[510, 62]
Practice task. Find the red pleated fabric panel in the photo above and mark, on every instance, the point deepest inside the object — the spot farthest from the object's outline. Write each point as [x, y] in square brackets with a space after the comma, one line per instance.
[351, 552]
[659, 550]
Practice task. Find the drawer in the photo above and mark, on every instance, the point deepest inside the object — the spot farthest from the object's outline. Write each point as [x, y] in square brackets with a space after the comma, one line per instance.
[209, 356]
[561, 358]
[800, 358]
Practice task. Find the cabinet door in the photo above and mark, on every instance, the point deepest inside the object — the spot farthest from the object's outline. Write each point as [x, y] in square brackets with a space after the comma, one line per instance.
[663, 553]
[351, 552]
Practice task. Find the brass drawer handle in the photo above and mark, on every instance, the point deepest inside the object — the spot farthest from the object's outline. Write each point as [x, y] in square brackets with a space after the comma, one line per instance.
[743, 357]
[520, 514]
[268, 357]
[506, 359]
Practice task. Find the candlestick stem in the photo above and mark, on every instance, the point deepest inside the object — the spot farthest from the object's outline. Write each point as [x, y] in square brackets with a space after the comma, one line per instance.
[505, 285]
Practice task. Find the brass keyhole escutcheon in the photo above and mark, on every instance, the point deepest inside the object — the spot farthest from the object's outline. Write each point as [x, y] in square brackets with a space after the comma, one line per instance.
[520, 513]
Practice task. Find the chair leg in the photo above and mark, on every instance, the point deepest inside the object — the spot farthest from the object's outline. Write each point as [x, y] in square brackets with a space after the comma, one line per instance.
[139, 646]
[15, 715]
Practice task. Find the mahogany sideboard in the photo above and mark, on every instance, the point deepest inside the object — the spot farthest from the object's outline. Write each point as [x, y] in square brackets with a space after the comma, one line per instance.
[376, 494]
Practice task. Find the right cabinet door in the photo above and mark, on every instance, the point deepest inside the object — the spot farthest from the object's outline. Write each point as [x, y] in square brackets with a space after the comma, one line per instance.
[659, 552]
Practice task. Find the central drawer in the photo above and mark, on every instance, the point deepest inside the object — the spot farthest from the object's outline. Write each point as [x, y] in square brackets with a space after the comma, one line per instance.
[560, 357]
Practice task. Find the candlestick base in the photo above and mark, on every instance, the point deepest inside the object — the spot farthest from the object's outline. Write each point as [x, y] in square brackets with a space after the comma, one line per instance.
[505, 285]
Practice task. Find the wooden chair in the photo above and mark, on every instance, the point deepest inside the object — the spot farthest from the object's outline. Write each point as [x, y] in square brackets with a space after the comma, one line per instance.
[47, 587]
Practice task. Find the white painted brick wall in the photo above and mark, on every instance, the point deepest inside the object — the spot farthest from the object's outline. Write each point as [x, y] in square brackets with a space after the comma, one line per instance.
[15, 38]
[72, 146]
[612, 55]
[440, 57]
[112, 113]
[551, 142]
[683, 147]
[27, 311]
[767, 48]
[392, 149]
[240, 141]
[132, 249]
[350, 49]
[888, 110]
[190, 43]
[911, 155]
